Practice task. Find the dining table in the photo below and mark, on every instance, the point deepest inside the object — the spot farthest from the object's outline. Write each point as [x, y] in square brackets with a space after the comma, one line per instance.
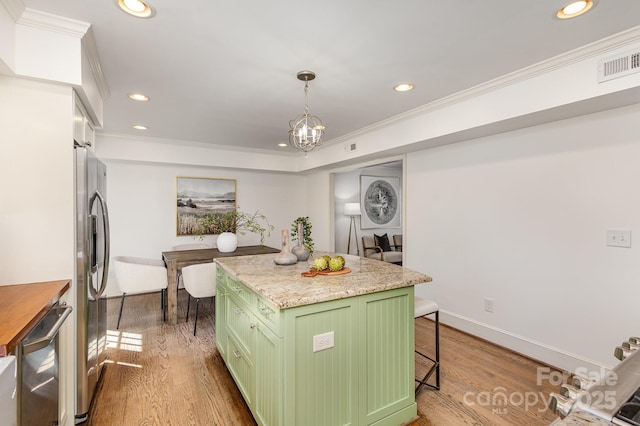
[175, 260]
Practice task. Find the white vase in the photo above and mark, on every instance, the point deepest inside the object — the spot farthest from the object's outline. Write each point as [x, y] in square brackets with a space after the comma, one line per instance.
[227, 242]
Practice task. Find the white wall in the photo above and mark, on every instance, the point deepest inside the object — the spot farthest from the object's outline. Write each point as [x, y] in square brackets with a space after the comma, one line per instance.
[520, 218]
[142, 205]
[319, 209]
[36, 181]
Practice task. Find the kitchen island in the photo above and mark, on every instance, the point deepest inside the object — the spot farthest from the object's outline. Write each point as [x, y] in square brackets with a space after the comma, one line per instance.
[327, 350]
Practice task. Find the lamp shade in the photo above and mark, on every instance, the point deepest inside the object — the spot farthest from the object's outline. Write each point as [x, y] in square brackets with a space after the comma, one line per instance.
[352, 209]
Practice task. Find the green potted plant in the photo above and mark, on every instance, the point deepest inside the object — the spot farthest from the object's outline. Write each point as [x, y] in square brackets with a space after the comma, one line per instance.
[228, 223]
[301, 229]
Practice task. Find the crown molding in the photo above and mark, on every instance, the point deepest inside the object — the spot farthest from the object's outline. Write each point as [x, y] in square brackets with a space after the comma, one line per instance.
[195, 144]
[597, 48]
[14, 7]
[53, 23]
[91, 49]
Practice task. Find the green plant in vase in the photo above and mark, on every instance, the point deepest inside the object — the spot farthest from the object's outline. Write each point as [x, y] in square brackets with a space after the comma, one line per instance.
[236, 222]
[301, 229]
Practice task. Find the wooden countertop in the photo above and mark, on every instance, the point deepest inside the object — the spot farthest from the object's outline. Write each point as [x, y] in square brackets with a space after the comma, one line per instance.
[199, 255]
[22, 306]
[285, 287]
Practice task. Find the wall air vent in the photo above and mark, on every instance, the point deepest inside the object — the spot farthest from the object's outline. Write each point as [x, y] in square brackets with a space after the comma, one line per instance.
[619, 66]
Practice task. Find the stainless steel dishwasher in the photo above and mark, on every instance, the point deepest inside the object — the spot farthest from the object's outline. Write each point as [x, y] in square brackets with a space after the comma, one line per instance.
[37, 357]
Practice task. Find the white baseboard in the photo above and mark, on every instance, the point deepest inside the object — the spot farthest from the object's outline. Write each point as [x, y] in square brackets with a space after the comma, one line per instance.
[536, 350]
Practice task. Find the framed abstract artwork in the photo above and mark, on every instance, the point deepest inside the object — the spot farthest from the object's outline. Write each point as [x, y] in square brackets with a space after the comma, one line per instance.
[380, 201]
[196, 197]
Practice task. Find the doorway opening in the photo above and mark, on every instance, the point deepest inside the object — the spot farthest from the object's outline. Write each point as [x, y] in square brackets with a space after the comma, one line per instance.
[369, 202]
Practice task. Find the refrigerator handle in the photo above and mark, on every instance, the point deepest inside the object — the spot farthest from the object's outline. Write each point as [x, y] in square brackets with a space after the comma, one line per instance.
[107, 240]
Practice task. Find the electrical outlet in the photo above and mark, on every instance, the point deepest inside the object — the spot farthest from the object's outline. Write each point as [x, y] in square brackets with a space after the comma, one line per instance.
[322, 341]
[488, 305]
[619, 237]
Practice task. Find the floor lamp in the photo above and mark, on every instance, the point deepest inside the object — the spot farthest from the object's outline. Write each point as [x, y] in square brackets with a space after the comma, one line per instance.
[352, 210]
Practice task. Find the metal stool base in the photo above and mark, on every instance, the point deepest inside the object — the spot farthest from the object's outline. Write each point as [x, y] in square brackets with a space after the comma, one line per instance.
[435, 368]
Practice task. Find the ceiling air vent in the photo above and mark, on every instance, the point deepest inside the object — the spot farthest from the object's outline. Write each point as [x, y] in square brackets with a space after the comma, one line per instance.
[619, 66]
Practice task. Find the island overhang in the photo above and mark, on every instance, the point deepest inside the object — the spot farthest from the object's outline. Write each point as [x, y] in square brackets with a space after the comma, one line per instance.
[285, 287]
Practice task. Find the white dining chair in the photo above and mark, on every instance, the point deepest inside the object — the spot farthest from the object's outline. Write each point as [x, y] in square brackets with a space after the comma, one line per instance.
[139, 275]
[190, 246]
[199, 281]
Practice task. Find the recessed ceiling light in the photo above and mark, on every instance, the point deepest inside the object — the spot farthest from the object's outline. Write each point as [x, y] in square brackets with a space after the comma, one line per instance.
[404, 87]
[139, 127]
[138, 97]
[136, 8]
[575, 8]
[282, 144]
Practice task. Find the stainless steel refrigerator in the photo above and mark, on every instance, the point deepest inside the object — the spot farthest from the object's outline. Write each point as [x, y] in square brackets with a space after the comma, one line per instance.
[92, 269]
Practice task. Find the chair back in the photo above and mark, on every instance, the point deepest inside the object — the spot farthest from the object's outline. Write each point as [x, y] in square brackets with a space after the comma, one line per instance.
[200, 279]
[369, 245]
[194, 246]
[397, 242]
[139, 275]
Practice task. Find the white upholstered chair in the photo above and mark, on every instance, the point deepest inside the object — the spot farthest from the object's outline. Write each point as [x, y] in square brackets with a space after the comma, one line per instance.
[139, 275]
[199, 281]
[376, 251]
[425, 307]
[190, 246]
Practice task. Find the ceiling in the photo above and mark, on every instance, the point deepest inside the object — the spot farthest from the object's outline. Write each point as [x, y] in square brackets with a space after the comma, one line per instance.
[225, 73]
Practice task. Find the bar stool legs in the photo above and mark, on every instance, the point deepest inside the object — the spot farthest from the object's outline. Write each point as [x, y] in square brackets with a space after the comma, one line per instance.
[424, 307]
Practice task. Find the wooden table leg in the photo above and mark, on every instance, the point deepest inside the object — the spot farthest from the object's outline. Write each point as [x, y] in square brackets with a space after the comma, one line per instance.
[172, 291]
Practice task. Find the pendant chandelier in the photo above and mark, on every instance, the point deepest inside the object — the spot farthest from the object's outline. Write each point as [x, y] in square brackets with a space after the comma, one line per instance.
[306, 130]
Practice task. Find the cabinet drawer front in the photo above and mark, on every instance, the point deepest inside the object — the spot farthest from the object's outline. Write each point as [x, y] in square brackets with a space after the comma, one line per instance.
[270, 315]
[241, 291]
[240, 323]
[241, 369]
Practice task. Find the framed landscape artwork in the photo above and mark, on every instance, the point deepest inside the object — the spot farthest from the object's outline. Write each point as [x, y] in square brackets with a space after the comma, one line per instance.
[380, 202]
[197, 197]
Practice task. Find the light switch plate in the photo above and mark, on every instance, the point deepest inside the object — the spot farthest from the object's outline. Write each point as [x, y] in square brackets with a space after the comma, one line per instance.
[619, 237]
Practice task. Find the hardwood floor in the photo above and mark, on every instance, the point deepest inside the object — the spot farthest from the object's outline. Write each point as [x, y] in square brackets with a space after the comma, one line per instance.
[481, 383]
[159, 374]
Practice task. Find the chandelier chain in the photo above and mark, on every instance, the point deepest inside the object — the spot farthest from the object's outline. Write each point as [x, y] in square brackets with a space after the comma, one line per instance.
[306, 98]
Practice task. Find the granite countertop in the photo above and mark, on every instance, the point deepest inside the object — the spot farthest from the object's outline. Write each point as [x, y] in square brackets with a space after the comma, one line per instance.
[285, 287]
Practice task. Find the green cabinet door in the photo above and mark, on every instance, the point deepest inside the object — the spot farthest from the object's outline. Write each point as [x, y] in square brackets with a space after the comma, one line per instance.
[268, 365]
[386, 360]
[321, 384]
[241, 368]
